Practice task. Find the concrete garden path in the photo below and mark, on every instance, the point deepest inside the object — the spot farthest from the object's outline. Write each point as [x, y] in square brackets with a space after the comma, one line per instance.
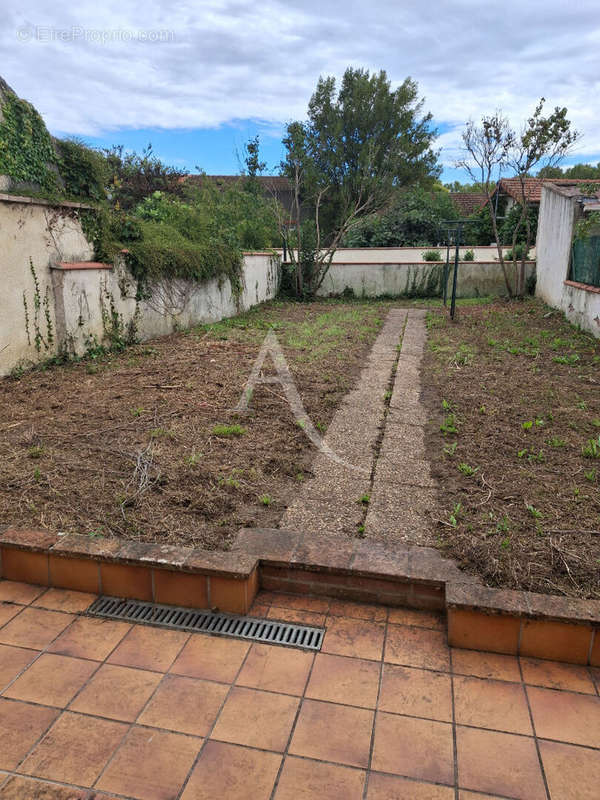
[381, 486]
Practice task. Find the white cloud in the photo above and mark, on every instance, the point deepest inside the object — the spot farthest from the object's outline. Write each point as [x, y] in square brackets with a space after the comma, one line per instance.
[237, 59]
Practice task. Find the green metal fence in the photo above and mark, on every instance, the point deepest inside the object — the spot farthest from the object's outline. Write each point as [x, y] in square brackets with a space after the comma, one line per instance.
[586, 261]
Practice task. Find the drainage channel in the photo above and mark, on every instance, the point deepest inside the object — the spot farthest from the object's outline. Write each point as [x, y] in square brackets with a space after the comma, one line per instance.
[189, 619]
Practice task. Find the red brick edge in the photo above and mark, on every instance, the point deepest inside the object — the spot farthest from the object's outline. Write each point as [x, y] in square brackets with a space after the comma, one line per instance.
[479, 618]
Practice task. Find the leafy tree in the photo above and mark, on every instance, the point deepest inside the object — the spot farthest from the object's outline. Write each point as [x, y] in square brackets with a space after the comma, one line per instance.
[493, 147]
[253, 165]
[133, 176]
[550, 172]
[576, 172]
[413, 220]
[358, 145]
[457, 186]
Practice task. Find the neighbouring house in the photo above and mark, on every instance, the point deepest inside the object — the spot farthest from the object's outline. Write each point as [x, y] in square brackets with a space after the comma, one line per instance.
[568, 250]
[467, 203]
[509, 189]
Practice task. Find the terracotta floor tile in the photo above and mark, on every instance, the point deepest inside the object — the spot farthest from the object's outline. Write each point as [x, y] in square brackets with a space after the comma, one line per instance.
[344, 608]
[466, 795]
[232, 772]
[573, 773]
[149, 648]
[276, 669]
[417, 692]
[353, 637]
[90, 638]
[414, 748]
[150, 764]
[554, 675]
[52, 680]
[21, 725]
[302, 779]
[422, 619]
[417, 647]
[116, 692]
[17, 592]
[485, 703]
[75, 749]
[264, 598]
[258, 610]
[499, 763]
[319, 605]
[211, 658]
[565, 716]
[185, 705]
[257, 719]
[65, 600]
[391, 787]
[344, 680]
[17, 788]
[485, 665]
[595, 671]
[293, 615]
[8, 611]
[332, 732]
[12, 661]
[35, 628]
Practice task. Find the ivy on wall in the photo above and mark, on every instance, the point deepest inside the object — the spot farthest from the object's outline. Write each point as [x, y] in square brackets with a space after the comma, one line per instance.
[26, 150]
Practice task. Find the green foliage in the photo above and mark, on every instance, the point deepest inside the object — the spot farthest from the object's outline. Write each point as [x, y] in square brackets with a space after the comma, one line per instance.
[201, 237]
[482, 233]
[520, 251]
[467, 469]
[577, 172]
[26, 150]
[469, 255]
[510, 223]
[358, 144]
[83, 170]
[413, 219]
[591, 449]
[135, 176]
[432, 255]
[41, 308]
[228, 430]
[449, 425]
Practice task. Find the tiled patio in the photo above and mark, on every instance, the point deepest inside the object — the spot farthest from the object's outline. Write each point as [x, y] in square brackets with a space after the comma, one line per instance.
[102, 709]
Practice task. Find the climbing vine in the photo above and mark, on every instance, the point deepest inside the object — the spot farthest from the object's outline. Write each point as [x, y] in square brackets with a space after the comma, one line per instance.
[26, 149]
[41, 310]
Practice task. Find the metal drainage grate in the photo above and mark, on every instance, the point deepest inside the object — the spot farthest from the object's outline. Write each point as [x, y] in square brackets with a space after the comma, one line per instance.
[189, 619]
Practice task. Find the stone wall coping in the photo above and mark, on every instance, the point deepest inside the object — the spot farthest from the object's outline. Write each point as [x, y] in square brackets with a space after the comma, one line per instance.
[40, 201]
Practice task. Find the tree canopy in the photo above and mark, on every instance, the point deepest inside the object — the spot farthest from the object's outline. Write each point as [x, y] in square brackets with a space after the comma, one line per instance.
[356, 147]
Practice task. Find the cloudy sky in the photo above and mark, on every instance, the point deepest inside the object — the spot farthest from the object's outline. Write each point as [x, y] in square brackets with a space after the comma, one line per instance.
[197, 79]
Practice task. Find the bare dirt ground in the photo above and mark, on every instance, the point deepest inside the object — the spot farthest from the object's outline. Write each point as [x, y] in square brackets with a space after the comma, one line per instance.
[513, 394]
[127, 444]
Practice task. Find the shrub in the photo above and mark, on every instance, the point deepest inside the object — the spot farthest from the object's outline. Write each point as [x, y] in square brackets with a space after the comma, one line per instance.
[83, 170]
[469, 256]
[519, 253]
[432, 255]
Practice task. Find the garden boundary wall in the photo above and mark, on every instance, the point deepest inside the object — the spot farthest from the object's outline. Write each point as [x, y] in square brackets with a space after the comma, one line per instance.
[55, 298]
[393, 276]
[579, 302]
